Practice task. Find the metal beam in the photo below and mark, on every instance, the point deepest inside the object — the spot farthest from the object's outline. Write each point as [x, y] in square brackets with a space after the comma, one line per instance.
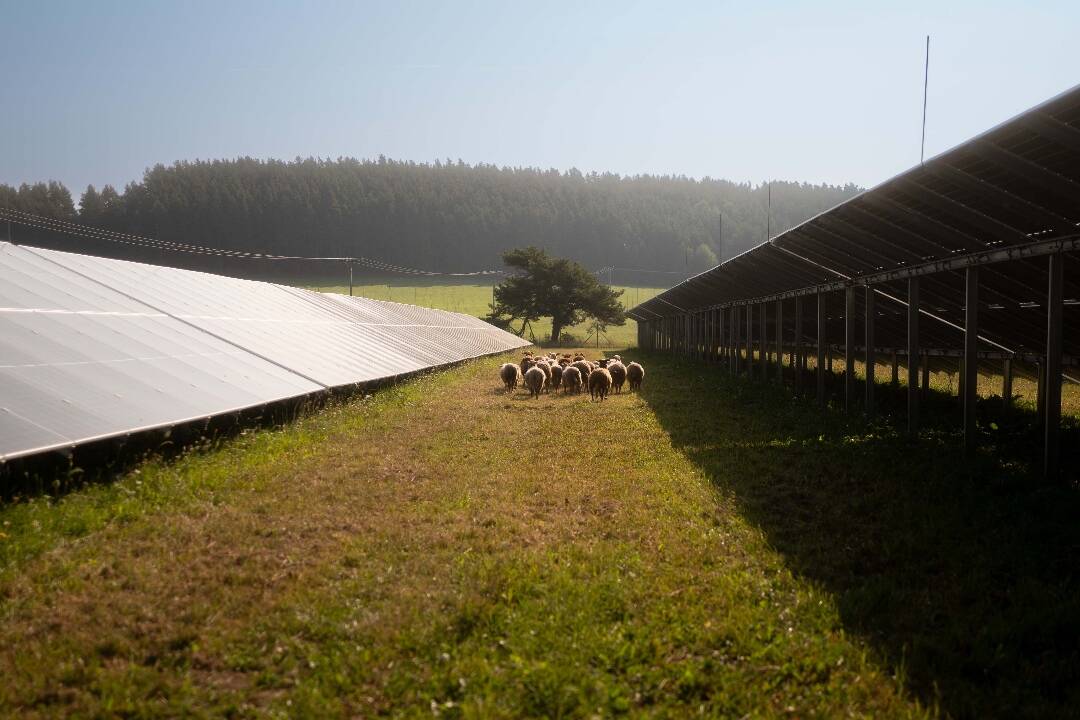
[993, 193]
[970, 372]
[1064, 135]
[1052, 424]
[913, 353]
[1036, 174]
[960, 262]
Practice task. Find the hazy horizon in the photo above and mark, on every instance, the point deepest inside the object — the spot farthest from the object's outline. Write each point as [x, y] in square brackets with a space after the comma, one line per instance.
[828, 94]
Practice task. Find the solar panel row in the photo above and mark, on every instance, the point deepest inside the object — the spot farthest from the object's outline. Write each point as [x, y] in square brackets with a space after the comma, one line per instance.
[1015, 185]
[92, 348]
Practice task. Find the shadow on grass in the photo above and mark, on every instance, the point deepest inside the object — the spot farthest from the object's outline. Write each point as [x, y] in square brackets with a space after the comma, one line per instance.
[963, 577]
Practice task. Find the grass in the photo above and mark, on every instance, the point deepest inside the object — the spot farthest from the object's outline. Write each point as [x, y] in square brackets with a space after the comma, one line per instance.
[473, 299]
[710, 546]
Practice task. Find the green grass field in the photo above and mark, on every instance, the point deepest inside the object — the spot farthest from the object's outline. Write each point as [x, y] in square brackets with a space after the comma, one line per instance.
[708, 547]
[475, 300]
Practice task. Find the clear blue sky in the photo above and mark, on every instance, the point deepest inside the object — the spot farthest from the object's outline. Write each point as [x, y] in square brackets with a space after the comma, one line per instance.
[823, 91]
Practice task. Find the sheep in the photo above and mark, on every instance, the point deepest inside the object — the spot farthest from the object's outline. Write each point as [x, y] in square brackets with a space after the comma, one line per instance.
[534, 381]
[634, 375]
[511, 376]
[618, 375]
[599, 383]
[546, 368]
[526, 363]
[571, 380]
[584, 368]
[556, 377]
[579, 357]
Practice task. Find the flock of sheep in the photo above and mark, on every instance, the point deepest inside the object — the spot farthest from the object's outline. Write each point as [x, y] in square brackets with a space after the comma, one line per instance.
[539, 373]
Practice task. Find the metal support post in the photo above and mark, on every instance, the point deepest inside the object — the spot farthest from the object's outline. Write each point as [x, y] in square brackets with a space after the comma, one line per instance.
[797, 357]
[821, 341]
[871, 359]
[1052, 424]
[780, 342]
[970, 371]
[913, 356]
[849, 348]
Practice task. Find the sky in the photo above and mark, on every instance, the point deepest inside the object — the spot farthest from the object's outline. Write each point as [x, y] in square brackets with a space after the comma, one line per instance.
[96, 92]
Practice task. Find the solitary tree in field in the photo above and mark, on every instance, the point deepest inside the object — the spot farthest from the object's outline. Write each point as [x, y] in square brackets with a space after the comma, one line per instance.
[558, 288]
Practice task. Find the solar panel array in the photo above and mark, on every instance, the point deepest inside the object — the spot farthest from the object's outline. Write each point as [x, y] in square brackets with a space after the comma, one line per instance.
[1015, 185]
[92, 348]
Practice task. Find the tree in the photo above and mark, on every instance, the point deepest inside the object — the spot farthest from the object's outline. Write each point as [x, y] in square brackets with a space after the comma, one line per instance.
[554, 287]
[91, 206]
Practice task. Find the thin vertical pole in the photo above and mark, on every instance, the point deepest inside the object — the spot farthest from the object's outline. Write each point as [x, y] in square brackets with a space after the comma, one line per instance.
[871, 358]
[821, 340]
[1052, 424]
[780, 342]
[970, 370]
[797, 357]
[750, 340]
[763, 341]
[709, 336]
[926, 86]
[849, 348]
[351, 285]
[768, 216]
[1040, 394]
[1006, 382]
[924, 391]
[913, 356]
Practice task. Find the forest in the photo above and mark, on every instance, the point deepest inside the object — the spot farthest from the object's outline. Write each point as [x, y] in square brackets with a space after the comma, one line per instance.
[443, 216]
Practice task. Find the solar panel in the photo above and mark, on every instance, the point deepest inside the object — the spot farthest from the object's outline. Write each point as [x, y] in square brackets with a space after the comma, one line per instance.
[92, 348]
[1014, 185]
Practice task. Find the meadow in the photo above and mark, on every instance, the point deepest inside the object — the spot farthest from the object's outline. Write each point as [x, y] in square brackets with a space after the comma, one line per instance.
[475, 299]
[711, 546]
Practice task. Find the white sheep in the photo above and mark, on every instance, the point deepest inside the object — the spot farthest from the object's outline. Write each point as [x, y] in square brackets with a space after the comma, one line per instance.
[634, 375]
[534, 381]
[511, 376]
[571, 380]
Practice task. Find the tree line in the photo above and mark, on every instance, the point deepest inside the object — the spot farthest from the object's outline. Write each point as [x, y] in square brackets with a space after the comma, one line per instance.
[440, 216]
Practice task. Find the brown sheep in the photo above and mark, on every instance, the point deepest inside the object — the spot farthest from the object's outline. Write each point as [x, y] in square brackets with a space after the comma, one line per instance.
[556, 377]
[584, 368]
[618, 375]
[599, 383]
[534, 381]
[546, 368]
[527, 362]
[571, 380]
[579, 357]
[634, 375]
[511, 376]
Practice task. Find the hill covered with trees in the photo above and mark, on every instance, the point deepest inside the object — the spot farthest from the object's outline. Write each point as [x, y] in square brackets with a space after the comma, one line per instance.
[441, 216]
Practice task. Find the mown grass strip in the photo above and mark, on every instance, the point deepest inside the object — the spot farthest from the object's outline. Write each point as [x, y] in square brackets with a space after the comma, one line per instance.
[707, 547]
